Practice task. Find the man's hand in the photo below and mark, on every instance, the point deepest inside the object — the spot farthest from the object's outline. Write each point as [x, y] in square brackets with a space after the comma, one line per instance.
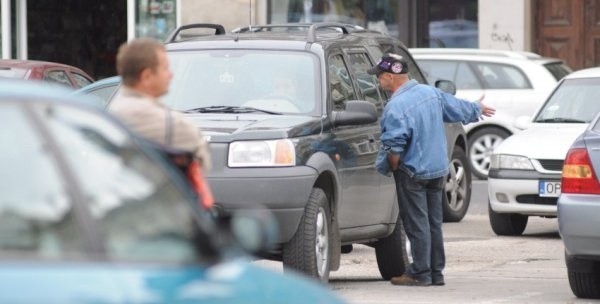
[485, 110]
[394, 160]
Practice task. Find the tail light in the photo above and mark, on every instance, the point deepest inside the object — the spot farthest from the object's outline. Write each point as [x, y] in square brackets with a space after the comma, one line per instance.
[578, 174]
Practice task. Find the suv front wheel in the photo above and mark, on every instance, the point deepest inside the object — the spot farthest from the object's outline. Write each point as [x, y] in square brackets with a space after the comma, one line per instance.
[458, 187]
[309, 250]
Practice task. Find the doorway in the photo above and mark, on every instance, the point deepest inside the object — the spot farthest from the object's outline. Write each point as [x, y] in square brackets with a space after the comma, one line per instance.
[570, 30]
[85, 34]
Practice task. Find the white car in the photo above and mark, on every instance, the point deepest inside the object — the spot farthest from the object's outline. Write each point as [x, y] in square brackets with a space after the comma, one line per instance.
[515, 83]
[525, 171]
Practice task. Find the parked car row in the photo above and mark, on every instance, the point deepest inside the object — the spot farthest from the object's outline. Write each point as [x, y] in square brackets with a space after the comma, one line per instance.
[51, 72]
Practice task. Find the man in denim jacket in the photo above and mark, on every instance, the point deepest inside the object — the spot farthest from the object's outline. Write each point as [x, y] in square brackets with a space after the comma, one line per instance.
[414, 151]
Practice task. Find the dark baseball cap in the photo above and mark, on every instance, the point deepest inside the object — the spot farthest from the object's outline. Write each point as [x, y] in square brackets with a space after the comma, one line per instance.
[390, 63]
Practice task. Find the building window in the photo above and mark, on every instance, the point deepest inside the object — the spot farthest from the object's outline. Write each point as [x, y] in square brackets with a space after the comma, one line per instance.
[453, 25]
[155, 18]
[380, 15]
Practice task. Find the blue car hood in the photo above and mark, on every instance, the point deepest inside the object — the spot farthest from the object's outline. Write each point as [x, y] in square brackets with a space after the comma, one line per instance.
[231, 282]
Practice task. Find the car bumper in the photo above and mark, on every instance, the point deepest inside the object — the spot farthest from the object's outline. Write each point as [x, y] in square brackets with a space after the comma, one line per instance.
[513, 191]
[579, 224]
[283, 191]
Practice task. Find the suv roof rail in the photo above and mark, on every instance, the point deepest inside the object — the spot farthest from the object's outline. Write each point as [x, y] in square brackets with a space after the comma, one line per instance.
[485, 52]
[311, 27]
[219, 30]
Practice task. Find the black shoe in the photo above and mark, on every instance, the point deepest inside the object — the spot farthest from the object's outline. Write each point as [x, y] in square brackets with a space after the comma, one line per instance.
[438, 282]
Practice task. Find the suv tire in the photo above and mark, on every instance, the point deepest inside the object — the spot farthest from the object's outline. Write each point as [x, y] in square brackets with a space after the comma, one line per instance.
[391, 254]
[309, 250]
[457, 191]
[510, 224]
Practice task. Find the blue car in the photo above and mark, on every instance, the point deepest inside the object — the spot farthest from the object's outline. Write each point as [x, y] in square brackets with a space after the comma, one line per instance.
[89, 213]
[101, 91]
[578, 210]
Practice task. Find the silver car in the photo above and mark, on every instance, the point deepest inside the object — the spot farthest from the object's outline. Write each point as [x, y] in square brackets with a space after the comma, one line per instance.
[578, 210]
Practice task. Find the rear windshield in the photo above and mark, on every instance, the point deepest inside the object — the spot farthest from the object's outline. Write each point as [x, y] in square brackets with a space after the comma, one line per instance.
[558, 69]
[6, 72]
[278, 81]
[573, 101]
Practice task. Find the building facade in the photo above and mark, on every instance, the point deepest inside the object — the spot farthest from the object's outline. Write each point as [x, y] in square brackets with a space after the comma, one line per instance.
[87, 33]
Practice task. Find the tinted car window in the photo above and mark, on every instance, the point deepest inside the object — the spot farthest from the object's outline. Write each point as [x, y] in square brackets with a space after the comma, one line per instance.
[575, 100]
[558, 69]
[80, 80]
[367, 84]
[36, 215]
[340, 84]
[59, 77]
[144, 216]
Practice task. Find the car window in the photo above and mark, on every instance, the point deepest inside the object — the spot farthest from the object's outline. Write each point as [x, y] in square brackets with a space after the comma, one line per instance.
[458, 72]
[247, 78]
[142, 214]
[558, 69]
[80, 80]
[574, 100]
[102, 94]
[340, 84]
[501, 76]
[367, 84]
[36, 215]
[57, 76]
[597, 126]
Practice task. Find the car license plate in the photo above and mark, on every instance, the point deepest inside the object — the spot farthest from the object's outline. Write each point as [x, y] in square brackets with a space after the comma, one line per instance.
[549, 188]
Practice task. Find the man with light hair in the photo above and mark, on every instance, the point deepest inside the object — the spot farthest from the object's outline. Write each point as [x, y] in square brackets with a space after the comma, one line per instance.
[144, 68]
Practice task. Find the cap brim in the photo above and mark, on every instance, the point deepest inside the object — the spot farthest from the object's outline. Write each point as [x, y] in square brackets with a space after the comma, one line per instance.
[374, 71]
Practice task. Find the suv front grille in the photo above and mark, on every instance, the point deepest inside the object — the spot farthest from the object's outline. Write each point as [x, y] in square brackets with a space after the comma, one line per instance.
[552, 164]
[536, 199]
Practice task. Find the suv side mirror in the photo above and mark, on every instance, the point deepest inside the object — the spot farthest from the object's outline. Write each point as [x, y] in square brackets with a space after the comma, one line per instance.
[446, 86]
[357, 112]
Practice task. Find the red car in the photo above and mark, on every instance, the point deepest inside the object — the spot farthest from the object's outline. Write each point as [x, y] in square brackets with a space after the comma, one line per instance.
[45, 71]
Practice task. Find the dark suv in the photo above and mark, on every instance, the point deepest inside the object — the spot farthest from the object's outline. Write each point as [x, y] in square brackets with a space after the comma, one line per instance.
[292, 120]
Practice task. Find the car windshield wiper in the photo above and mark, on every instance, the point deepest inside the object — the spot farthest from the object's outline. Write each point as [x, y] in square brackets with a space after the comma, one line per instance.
[228, 109]
[561, 120]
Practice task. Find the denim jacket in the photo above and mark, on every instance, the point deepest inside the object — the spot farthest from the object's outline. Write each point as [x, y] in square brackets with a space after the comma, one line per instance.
[412, 126]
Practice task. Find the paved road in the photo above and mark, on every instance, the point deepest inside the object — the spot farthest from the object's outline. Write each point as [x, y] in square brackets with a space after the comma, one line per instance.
[481, 267]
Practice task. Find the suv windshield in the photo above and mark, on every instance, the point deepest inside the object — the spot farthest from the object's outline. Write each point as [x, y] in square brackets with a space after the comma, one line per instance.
[273, 81]
[574, 101]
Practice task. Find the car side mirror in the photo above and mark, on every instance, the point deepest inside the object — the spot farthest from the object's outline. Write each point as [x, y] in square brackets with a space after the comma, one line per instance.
[446, 86]
[522, 122]
[356, 112]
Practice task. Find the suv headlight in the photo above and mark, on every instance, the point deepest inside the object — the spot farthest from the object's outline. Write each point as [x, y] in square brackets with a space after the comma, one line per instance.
[503, 161]
[263, 153]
